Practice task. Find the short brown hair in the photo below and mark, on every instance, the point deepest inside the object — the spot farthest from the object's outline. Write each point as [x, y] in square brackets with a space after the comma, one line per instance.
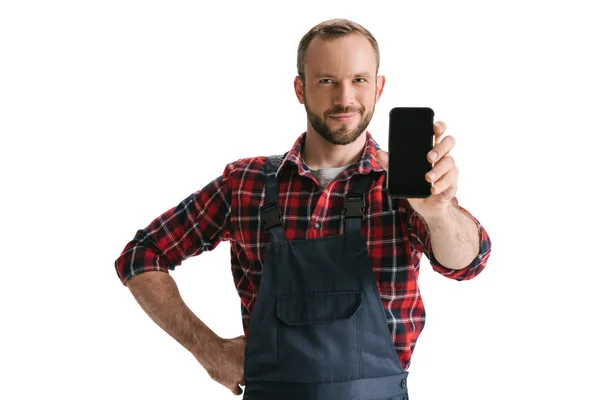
[333, 28]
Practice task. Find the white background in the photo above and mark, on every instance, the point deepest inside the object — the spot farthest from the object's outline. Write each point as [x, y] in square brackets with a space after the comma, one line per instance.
[112, 112]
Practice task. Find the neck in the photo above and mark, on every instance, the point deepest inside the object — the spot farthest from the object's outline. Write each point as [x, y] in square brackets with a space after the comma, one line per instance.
[319, 153]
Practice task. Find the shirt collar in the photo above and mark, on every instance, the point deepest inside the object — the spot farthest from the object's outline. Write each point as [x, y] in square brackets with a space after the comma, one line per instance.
[368, 161]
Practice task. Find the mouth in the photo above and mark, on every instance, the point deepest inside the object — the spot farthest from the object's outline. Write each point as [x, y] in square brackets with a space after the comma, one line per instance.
[343, 117]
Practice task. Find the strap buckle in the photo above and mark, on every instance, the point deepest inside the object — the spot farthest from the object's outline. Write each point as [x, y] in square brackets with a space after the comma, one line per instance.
[270, 216]
[354, 205]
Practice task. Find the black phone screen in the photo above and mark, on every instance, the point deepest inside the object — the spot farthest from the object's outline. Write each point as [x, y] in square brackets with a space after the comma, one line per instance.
[410, 139]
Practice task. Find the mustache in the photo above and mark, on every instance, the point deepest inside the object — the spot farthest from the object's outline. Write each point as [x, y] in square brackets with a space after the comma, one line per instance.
[344, 110]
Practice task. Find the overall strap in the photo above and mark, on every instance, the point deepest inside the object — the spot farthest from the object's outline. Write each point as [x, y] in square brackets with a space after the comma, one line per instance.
[270, 215]
[355, 205]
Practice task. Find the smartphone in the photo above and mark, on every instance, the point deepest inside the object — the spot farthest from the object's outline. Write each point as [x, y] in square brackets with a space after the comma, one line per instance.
[410, 139]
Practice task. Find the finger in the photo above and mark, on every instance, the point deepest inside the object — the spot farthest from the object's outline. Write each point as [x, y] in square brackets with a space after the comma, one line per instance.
[441, 168]
[447, 194]
[439, 128]
[445, 182]
[441, 149]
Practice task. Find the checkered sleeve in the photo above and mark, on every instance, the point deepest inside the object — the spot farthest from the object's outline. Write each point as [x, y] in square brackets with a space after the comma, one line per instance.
[197, 224]
[421, 242]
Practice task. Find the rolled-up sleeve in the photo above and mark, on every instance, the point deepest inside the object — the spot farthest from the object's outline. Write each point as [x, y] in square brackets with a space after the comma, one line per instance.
[421, 242]
[197, 224]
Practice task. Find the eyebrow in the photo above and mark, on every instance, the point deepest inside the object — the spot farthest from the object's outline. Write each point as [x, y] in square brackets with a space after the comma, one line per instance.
[326, 75]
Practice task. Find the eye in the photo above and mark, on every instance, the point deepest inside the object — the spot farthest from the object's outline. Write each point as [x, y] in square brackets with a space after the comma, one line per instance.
[326, 80]
[360, 80]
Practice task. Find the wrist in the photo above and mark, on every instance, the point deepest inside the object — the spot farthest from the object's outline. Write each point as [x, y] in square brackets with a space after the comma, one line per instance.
[440, 217]
[206, 349]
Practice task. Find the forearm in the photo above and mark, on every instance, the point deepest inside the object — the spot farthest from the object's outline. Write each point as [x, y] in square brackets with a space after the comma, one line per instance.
[454, 238]
[159, 297]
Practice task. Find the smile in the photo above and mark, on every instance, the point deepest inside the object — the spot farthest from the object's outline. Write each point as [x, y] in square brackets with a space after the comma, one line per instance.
[342, 117]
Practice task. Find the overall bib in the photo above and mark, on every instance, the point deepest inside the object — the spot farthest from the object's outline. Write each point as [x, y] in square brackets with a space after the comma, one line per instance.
[318, 330]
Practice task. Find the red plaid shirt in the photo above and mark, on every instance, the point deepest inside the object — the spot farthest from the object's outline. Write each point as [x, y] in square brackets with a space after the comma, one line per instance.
[227, 209]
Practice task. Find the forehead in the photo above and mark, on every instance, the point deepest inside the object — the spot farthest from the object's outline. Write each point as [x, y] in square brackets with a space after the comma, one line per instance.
[342, 55]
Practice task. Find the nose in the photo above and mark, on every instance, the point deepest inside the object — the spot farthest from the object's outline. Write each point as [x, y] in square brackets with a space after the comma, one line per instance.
[344, 94]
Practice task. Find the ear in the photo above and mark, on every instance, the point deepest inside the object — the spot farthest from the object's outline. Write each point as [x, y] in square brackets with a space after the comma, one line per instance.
[299, 89]
[379, 89]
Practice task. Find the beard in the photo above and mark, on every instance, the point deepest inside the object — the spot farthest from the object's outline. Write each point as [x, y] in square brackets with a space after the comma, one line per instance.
[343, 135]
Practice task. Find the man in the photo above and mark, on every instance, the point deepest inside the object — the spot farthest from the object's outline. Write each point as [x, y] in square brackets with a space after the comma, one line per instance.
[326, 264]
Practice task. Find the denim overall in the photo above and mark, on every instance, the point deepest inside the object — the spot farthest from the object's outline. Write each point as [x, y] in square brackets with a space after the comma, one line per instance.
[318, 330]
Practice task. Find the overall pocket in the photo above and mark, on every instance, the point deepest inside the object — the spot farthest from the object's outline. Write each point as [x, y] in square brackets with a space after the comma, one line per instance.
[318, 336]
